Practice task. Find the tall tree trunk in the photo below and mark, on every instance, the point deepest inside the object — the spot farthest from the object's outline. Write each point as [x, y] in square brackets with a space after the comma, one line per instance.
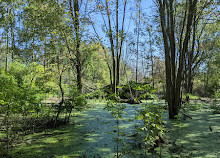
[78, 55]
[169, 85]
[190, 18]
[7, 52]
[75, 17]
[12, 43]
[175, 87]
[44, 55]
[138, 35]
[117, 48]
[112, 49]
[33, 55]
[121, 43]
[151, 56]
[190, 58]
[174, 78]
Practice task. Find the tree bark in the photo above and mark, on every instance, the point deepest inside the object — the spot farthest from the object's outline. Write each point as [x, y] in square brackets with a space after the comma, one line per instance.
[117, 48]
[78, 55]
[174, 76]
[121, 45]
[112, 49]
[76, 23]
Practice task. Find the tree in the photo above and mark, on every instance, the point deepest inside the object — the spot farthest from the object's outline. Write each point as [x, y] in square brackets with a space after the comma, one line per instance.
[9, 30]
[174, 58]
[196, 55]
[116, 37]
[138, 36]
[211, 45]
[74, 11]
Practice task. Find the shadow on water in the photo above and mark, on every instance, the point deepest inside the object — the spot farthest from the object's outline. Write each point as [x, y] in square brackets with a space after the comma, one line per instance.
[196, 137]
[91, 135]
[85, 138]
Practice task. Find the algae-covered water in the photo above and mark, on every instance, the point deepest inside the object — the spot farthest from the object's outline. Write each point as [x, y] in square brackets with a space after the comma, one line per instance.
[198, 137]
[93, 131]
[92, 134]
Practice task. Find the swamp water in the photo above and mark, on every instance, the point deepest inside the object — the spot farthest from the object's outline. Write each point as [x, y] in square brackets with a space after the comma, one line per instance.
[94, 131]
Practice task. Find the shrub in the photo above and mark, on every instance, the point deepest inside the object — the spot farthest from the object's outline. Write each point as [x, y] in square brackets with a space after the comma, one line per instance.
[153, 124]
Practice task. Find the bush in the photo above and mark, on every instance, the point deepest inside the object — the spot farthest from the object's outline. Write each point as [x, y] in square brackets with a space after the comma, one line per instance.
[153, 124]
[141, 91]
[131, 91]
[20, 98]
[217, 94]
[18, 93]
[215, 107]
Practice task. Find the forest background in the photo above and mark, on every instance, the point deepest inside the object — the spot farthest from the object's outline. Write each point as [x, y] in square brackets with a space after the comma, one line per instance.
[71, 50]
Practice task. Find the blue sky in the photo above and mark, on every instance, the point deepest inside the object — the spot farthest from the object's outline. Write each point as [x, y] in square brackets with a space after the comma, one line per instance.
[147, 7]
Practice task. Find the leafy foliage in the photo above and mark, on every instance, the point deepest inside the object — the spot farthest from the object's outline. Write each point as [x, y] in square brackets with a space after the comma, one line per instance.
[141, 91]
[152, 116]
[216, 107]
[20, 90]
[76, 100]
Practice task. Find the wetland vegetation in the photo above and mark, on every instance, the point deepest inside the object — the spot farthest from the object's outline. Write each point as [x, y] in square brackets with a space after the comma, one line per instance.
[109, 78]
